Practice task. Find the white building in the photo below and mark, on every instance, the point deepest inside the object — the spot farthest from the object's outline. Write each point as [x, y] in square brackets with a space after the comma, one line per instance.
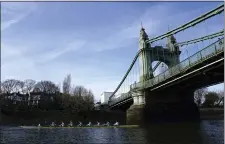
[105, 97]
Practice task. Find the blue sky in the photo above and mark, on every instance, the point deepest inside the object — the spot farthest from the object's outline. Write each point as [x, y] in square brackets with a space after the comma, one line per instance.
[95, 42]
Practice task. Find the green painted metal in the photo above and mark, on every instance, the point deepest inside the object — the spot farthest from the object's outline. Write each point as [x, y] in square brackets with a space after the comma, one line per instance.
[155, 67]
[205, 16]
[188, 63]
[193, 22]
[217, 34]
[200, 56]
[126, 74]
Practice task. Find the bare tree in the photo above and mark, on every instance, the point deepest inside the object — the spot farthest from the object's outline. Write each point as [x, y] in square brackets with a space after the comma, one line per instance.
[59, 86]
[89, 100]
[46, 86]
[76, 103]
[79, 91]
[67, 84]
[63, 101]
[210, 99]
[9, 85]
[198, 95]
[83, 98]
[1, 95]
[221, 98]
[29, 85]
[19, 86]
[2, 90]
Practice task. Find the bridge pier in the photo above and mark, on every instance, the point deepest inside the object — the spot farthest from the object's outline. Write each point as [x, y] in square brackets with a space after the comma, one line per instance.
[167, 105]
[141, 99]
[135, 115]
[135, 112]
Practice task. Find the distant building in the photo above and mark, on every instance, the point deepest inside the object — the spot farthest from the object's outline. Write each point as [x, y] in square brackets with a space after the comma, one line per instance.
[34, 99]
[105, 97]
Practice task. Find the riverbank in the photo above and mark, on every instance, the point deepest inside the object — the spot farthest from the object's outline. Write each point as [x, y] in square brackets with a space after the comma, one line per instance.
[212, 114]
[46, 117]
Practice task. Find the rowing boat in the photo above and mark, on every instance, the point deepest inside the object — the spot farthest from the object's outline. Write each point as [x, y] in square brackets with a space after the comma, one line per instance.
[120, 126]
[28, 127]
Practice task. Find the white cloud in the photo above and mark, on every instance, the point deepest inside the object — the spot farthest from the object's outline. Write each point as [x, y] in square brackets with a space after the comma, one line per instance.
[13, 12]
[70, 47]
[130, 32]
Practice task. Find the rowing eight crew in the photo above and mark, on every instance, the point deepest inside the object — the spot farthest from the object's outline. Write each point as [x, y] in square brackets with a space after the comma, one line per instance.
[80, 124]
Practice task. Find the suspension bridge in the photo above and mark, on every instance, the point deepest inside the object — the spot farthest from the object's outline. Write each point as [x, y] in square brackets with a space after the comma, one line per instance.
[170, 93]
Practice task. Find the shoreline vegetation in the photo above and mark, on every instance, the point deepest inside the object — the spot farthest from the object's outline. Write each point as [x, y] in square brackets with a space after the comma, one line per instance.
[212, 113]
[30, 102]
[94, 116]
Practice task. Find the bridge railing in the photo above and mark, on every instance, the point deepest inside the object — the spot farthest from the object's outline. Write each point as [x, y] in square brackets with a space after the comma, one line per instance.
[121, 98]
[191, 61]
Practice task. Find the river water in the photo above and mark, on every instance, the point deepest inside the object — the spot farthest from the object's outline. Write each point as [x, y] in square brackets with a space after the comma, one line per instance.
[207, 132]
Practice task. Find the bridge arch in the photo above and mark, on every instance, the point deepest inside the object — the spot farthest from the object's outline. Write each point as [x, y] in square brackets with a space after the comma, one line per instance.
[169, 54]
[158, 53]
[161, 67]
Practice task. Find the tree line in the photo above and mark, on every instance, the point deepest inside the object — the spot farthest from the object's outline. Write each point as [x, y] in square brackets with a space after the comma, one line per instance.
[205, 98]
[74, 99]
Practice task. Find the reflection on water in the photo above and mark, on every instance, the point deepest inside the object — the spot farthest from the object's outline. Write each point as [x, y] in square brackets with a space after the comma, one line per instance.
[206, 132]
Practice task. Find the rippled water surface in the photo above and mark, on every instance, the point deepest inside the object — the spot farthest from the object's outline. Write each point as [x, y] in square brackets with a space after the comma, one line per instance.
[209, 132]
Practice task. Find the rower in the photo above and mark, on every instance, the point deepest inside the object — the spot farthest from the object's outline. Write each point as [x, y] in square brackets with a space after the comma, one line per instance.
[98, 123]
[39, 125]
[116, 124]
[70, 124]
[80, 124]
[107, 123]
[89, 124]
[62, 124]
[53, 124]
